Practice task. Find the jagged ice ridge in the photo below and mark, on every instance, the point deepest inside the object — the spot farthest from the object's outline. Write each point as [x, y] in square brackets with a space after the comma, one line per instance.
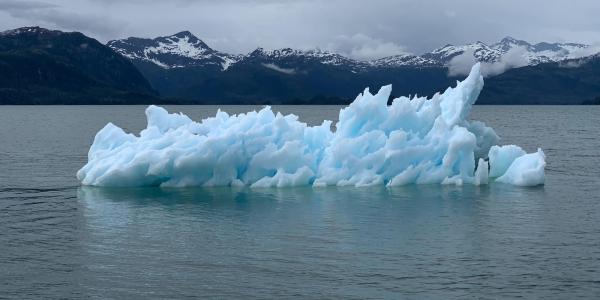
[417, 140]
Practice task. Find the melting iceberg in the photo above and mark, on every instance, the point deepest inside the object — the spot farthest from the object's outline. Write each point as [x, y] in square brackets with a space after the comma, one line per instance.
[417, 140]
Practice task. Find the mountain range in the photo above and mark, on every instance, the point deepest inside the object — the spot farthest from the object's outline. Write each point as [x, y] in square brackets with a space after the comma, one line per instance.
[181, 68]
[533, 54]
[185, 50]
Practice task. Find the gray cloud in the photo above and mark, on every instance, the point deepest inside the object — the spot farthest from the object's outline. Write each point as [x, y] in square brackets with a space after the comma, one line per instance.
[357, 28]
[279, 69]
[52, 15]
[363, 47]
[12, 5]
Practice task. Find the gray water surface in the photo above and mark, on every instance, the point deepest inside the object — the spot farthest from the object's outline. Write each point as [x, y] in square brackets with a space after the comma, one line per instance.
[60, 240]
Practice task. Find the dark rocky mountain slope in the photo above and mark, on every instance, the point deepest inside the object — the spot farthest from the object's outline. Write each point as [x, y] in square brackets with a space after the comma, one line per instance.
[574, 81]
[40, 66]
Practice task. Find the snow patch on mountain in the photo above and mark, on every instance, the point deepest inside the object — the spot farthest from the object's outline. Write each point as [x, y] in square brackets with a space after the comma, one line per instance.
[315, 55]
[180, 46]
[406, 60]
[176, 51]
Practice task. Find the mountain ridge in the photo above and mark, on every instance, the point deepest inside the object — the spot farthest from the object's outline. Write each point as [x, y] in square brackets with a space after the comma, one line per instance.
[182, 49]
[572, 81]
[41, 66]
[192, 51]
[289, 75]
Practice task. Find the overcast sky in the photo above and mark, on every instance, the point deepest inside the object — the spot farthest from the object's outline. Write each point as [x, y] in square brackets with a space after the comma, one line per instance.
[360, 29]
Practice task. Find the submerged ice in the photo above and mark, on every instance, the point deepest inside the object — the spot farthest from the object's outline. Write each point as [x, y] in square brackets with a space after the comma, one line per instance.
[415, 140]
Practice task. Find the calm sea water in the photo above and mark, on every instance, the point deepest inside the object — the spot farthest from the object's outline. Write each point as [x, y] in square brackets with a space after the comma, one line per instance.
[60, 240]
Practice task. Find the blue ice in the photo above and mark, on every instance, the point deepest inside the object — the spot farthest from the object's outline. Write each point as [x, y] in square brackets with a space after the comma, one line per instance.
[411, 141]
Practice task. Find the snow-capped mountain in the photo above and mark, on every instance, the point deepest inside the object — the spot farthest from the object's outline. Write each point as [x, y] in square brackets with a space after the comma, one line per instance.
[182, 49]
[543, 52]
[183, 69]
[532, 53]
[317, 55]
[481, 52]
[301, 59]
[405, 60]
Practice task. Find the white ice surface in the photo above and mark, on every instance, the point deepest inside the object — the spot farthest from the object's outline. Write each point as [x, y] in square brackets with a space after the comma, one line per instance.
[501, 157]
[526, 170]
[482, 172]
[415, 140]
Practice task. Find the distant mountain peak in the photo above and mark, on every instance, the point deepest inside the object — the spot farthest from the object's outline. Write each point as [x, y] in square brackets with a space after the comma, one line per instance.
[182, 49]
[29, 30]
[188, 37]
[258, 51]
[508, 43]
[509, 39]
[184, 33]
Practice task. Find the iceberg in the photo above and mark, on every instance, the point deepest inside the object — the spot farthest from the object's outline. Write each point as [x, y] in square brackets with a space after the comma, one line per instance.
[412, 141]
[501, 157]
[526, 170]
